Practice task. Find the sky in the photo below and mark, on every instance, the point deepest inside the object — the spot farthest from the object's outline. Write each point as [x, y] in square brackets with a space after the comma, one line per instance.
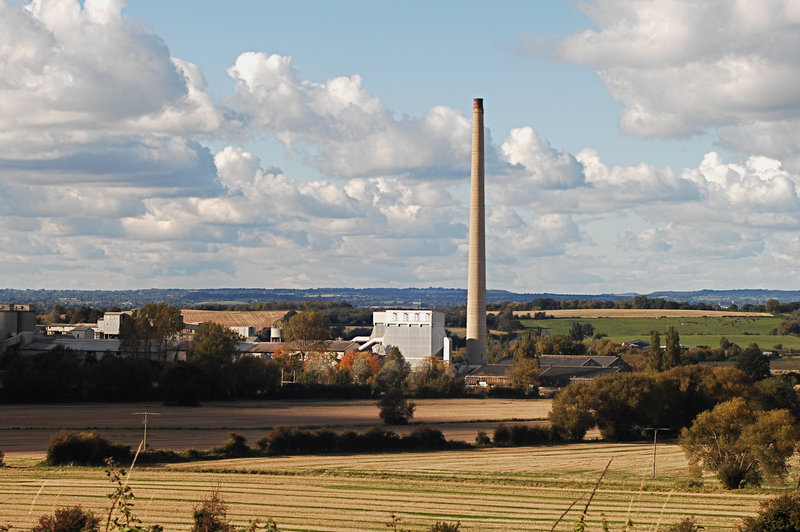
[631, 145]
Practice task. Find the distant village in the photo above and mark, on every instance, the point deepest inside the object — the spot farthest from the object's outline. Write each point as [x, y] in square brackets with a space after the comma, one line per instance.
[418, 334]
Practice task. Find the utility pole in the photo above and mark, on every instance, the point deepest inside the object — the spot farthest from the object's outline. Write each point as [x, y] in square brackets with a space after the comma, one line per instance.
[655, 440]
[145, 414]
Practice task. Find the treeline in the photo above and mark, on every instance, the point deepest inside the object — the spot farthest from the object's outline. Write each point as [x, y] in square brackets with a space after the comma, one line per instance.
[65, 314]
[274, 305]
[90, 448]
[637, 302]
[62, 376]
[622, 406]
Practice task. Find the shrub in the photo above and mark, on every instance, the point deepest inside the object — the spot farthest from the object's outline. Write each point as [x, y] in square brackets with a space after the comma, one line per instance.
[442, 526]
[519, 435]
[211, 515]
[234, 447]
[2, 459]
[502, 435]
[424, 438]
[779, 514]
[395, 409]
[482, 439]
[70, 519]
[84, 448]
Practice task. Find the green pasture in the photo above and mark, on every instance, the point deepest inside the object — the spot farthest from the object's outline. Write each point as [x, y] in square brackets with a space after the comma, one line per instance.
[700, 330]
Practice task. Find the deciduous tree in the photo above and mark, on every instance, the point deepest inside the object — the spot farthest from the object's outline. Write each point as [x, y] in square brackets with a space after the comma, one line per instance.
[525, 374]
[738, 444]
[395, 409]
[306, 332]
[148, 329]
[753, 362]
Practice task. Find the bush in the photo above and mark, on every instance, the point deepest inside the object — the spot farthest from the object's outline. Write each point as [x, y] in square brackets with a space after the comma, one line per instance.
[779, 514]
[84, 448]
[519, 435]
[424, 438]
[211, 515]
[234, 447]
[71, 519]
[292, 440]
[482, 439]
[2, 459]
[442, 526]
[395, 409]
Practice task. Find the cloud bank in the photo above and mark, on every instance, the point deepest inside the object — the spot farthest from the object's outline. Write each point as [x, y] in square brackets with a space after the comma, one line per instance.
[108, 178]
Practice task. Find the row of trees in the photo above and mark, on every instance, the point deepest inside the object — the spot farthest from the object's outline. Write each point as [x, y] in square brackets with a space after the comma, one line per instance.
[728, 423]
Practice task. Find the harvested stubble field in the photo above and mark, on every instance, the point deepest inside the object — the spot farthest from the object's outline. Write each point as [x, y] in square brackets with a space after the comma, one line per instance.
[486, 489]
[27, 428]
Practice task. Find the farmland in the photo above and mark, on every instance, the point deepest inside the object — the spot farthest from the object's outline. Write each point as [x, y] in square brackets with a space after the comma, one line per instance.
[27, 428]
[484, 489]
[695, 327]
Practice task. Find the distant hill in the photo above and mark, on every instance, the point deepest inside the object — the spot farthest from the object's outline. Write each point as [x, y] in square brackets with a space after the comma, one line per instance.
[358, 297]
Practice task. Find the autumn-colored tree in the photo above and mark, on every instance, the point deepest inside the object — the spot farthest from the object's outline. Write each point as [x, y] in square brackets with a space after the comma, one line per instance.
[288, 361]
[738, 444]
[525, 374]
[361, 365]
[319, 367]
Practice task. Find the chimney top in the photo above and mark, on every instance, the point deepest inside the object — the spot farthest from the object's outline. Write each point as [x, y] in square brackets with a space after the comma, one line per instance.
[477, 104]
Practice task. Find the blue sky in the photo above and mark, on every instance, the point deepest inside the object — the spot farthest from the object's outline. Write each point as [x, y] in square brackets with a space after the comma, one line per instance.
[633, 145]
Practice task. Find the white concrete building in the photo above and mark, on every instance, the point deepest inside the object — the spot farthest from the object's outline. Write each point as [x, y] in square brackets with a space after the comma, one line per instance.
[108, 325]
[417, 333]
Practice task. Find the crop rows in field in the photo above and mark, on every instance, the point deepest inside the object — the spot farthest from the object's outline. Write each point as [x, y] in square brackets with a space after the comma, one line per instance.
[490, 489]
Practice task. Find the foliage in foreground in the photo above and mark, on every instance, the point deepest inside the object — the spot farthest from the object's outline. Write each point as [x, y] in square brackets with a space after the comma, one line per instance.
[70, 519]
[84, 448]
[740, 445]
[777, 515]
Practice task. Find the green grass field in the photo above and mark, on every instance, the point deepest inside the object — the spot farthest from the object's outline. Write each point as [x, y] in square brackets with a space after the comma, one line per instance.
[698, 330]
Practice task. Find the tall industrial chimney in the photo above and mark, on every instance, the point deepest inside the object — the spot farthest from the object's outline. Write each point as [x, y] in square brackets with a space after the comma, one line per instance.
[476, 273]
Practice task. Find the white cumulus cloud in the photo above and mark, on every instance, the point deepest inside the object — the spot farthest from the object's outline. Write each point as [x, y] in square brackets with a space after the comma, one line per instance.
[352, 131]
[680, 67]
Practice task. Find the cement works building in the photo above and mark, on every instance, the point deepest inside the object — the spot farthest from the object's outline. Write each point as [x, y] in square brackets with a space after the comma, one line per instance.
[418, 334]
